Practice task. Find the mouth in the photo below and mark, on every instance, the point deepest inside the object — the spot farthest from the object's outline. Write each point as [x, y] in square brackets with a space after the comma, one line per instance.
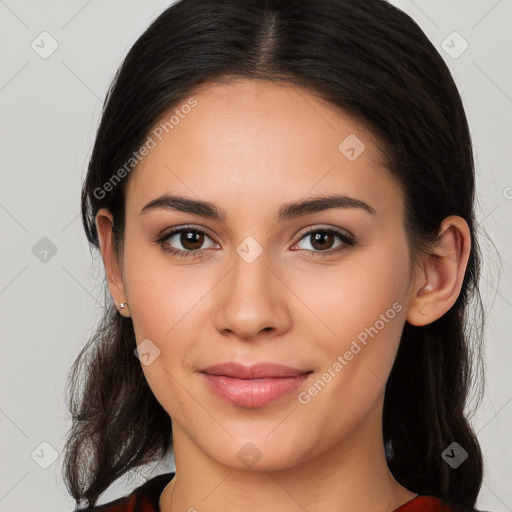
[253, 386]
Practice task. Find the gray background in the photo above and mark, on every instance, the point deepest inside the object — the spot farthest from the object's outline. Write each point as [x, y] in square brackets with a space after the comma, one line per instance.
[49, 302]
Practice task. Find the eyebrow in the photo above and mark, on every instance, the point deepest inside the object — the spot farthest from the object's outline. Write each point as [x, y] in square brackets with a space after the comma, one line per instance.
[287, 211]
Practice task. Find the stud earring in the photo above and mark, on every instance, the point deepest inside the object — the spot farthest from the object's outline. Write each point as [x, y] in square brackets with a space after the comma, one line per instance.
[123, 305]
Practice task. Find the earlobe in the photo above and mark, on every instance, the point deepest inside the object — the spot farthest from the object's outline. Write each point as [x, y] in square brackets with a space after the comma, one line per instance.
[438, 283]
[104, 223]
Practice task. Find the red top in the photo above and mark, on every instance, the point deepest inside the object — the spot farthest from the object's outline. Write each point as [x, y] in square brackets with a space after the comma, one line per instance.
[145, 499]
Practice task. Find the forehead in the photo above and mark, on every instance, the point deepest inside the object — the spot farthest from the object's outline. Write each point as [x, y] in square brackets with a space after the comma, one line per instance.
[259, 140]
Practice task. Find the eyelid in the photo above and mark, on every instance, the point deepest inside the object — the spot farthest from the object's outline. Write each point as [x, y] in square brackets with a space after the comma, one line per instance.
[166, 234]
[326, 227]
[340, 231]
[347, 238]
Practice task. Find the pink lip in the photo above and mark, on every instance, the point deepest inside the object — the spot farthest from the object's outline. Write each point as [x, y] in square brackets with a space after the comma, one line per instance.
[253, 386]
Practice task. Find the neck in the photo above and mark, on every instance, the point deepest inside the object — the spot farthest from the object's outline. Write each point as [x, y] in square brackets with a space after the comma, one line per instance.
[352, 476]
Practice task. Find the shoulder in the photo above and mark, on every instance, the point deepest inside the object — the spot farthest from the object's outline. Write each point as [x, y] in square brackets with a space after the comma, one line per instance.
[425, 503]
[143, 499]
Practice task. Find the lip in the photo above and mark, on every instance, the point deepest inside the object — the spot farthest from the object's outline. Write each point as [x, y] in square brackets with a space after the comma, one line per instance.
[253, 386]
[254, 371]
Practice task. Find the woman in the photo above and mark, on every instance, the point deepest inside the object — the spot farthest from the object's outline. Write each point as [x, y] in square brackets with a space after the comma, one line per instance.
[282, 195]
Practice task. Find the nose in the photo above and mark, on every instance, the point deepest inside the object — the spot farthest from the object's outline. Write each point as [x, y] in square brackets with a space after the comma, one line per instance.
[252, 300]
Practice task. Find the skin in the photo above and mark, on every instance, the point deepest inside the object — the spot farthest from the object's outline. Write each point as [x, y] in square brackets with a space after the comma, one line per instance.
[248, 147]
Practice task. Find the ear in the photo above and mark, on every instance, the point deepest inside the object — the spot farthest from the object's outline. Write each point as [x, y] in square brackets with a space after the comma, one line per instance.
[438, 281]
[104, 223]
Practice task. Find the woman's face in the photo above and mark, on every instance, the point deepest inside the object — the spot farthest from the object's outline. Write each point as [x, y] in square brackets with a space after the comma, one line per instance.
[322, 290]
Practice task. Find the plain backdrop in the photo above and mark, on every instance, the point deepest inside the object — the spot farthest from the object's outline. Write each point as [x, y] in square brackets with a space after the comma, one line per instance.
[51, 291]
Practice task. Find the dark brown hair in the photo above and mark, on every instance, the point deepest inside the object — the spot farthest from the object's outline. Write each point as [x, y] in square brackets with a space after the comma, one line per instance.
[373, 61]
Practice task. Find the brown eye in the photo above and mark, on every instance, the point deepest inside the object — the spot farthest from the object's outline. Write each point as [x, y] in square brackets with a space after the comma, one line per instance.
[191, 240]
[186, 241]
[322, 241]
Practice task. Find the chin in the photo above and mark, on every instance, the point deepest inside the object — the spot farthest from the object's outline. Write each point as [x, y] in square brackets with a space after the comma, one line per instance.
[257, 453]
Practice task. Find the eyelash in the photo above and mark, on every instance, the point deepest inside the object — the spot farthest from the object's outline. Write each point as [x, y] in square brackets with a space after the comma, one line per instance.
[347, 240]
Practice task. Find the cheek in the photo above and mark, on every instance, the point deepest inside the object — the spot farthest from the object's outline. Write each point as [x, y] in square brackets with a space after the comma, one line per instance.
[376, 315]
[167, 307]
[355, 370]
[352, 295]
[362, 309]
[163, 295]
